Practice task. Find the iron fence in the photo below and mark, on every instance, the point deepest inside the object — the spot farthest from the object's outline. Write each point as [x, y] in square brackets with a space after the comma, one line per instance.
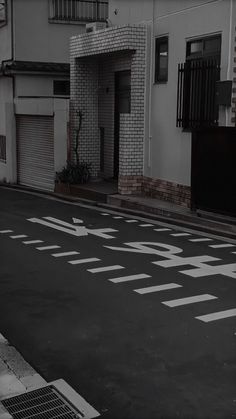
[196, 94]
[78, 10]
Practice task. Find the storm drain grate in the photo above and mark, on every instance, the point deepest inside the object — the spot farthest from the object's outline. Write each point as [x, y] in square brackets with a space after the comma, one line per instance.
[44, 403]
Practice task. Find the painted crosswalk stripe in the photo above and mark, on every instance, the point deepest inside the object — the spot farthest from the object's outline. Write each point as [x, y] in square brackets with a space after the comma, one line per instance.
[180, 234]
[105, 269]
[48, 247]
[64, 254]
[117, 218]
[217, 316]
[128, 278]
[189, 300]
[200, 240]
[104, 213]
[32, 241]
[221, 246]
[157, 288]
[162, 229]
[19, 236]
[6, 231]
[145, 225]
[79, 261]
[131, 221]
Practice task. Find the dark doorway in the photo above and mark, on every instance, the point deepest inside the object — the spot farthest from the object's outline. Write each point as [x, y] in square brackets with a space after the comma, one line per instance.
[122, 105]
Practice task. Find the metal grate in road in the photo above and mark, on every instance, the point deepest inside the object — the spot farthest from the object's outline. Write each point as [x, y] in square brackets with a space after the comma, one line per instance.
[43, 403]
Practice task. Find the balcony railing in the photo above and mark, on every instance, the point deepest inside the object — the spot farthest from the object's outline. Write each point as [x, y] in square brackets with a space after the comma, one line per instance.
[78, 10]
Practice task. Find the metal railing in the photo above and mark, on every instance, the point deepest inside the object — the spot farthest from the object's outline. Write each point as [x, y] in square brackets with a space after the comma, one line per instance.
[196, 93]
[78, 10]
[3, 148]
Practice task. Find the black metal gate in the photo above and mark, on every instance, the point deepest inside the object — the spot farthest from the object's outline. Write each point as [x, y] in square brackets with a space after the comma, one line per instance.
[214, 170]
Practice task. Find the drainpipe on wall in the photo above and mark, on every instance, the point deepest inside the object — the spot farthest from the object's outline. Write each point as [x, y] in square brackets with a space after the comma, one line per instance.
[150, 88]
[228, 111]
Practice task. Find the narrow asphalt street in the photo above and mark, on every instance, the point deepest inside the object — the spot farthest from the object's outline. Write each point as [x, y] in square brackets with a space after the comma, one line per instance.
[139, 318]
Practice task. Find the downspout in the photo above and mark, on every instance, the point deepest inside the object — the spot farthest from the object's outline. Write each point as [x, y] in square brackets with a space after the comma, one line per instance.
[227, 111]
[150, 88]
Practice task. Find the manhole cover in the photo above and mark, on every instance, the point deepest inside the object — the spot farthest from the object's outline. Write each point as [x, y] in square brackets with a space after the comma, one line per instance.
[44, 403]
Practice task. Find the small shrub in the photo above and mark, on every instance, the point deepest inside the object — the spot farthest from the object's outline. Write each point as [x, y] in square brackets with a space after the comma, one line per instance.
[74, 173]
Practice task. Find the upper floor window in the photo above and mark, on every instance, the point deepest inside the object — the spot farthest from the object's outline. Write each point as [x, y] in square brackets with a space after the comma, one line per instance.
[78, 10]
[161, 62]
[3, 11]
[61, 87]
[205, 48]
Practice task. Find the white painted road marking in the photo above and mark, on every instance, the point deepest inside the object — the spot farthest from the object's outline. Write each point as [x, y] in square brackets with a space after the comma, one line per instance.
[63, 254]
[226, 270]
[200, 240]
[6, 231]
[129, 278]
[33, 241]
[180, 234]
[19, 236]
[105, 269]
[88, 260]
[48, 247]
[197, 260]
[145, 225]
[217, 316]
[117, 218]
[104, 213]
[157, 288]
[221, 246]
[162, 229]
[189, 300]
[131, 221]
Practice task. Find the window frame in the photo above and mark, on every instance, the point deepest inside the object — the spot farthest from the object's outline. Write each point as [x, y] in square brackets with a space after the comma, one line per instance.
[4, 5]
[159, 41]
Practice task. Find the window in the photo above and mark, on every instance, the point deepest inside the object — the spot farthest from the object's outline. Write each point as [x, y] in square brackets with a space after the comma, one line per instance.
[161, 67]
[3, 12]
[78, 10]
[3, 148]
[197, 81]
[61, 87]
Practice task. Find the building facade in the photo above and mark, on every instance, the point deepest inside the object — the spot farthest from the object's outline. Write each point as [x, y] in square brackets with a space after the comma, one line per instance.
[34, 84]
[160, 69]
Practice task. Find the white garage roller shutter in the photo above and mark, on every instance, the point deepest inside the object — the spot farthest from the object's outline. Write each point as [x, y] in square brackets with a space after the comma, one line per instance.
[35, 151]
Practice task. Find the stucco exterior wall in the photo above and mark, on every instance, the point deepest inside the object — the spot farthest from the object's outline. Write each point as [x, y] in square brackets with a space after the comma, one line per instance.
[168, 153]
[35, 85]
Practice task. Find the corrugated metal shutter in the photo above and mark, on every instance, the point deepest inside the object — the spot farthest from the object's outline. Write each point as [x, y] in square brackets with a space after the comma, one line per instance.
[35, 151]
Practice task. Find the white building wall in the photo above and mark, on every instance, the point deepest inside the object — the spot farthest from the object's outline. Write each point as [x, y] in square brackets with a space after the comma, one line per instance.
[169, 157]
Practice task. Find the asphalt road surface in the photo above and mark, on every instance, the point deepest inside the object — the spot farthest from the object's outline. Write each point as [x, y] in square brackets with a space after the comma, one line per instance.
[137, 317]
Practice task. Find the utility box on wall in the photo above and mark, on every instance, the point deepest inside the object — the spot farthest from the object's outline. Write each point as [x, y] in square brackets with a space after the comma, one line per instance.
[224, 93]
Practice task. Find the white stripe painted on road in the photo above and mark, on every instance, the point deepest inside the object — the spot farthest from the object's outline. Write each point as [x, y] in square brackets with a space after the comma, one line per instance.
[217, 316]
[129, 278]
[221, 246]
[32, 241]
[131, 221]
[200, 240]
[189, 300]
[6, 231]
[104, 213]
[63, 254]
[157, 288]
[48, 247]
[105, 269]
[79, 261]
[162, 229]
[145, 225]
[180, 234]
[117, 218]
[19, 236]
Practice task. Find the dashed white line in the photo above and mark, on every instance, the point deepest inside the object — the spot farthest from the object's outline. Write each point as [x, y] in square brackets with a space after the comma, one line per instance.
[189, 300]
[79, 261]
[32, 241]
[104, 213]
[64, 254]
[200, 240]
[162, 229]
[145, 225]
[180, 234]
[117, 218]
[131, 221]
[6, 231]
[217, 316]
[48, 247]
[129, 278]
[105, 269]
[157, 288]
[19, 236]
[221, 246]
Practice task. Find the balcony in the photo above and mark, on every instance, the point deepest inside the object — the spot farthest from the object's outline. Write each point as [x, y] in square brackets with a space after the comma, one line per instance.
[78, 10]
